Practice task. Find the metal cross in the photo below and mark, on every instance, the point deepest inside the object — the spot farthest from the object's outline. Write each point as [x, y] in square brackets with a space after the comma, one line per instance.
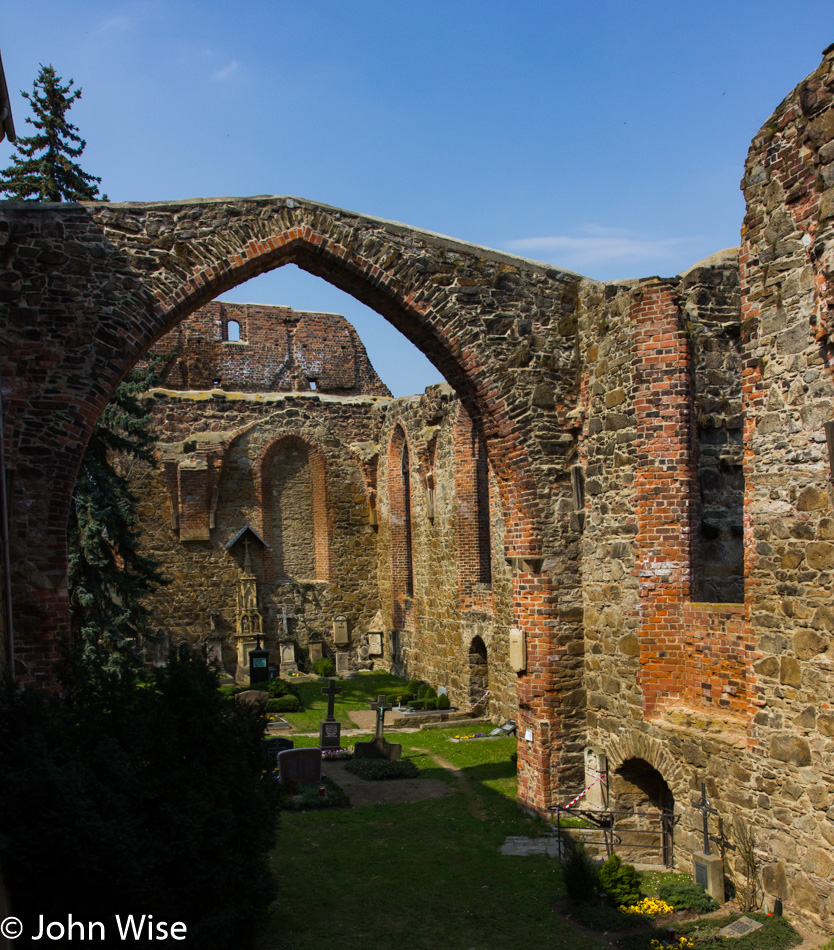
[332, 693]
[704, 807]
[381, 706]
[286, 613]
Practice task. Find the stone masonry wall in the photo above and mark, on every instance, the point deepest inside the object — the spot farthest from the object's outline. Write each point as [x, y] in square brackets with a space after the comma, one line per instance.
[433, 640]
[200, 602]
[787, 280]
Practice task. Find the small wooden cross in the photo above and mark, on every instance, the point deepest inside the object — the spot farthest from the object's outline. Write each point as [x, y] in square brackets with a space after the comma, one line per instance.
[332, 692]
[381, 706]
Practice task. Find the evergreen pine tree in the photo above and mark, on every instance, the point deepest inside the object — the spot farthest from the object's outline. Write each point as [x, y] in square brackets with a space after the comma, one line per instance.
[108, 575]
[44, 166]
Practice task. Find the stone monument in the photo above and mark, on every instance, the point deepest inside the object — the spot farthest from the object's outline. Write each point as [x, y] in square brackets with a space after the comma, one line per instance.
[330, 730]
[378, 747]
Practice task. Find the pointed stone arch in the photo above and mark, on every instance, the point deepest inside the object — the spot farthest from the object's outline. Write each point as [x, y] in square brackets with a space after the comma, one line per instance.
[95, 285]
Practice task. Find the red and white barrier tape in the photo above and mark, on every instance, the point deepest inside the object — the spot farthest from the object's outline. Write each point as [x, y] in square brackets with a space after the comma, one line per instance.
[584, 792]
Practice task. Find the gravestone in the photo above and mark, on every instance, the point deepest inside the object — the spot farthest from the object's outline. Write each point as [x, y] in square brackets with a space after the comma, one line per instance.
[330, 731]
[253, 696]
[740, 927]
[288, 664]
[315, 652]
[275, 745]
[708, 868]
[378, 747]
[342, 663]
[299, 767]
[375, 644]
[596, 779]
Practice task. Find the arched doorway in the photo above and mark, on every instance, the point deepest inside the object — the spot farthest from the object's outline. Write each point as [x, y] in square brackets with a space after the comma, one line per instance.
[478, 662]
[644, 807]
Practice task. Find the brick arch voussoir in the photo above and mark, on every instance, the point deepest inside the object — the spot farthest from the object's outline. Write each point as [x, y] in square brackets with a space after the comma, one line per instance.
[418, 313]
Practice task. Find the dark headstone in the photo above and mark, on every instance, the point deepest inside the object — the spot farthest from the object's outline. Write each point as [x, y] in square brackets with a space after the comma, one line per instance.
[276, 745]
[330, 734]
[378, 749]
[300, 766]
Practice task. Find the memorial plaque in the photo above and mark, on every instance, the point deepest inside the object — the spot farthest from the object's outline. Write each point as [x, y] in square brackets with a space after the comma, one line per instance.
[315, 652]
[340, 631]
[518, 650]
[342, 663]
[701, 874]
[330, 734]
[740, 927]
[375, 644]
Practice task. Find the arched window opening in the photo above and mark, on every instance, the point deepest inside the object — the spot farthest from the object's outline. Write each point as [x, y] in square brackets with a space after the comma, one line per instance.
[472, 505]
[295, 511]
[484, 566]
[409, 554]
[232, 331]
[402, 554]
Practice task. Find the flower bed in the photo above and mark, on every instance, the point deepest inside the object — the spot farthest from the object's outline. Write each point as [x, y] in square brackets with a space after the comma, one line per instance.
[336, 755]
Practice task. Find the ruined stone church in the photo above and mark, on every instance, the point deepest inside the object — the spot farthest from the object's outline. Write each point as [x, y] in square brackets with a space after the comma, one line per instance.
[616, 521]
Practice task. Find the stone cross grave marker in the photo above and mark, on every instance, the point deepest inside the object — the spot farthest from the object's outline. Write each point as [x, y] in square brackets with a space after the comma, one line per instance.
[299, 767]
[378, 747]
[330, 731]
[704, 807]
[381, 706]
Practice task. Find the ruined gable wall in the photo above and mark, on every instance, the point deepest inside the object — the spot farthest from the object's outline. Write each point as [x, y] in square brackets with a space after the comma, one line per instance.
[278, 350]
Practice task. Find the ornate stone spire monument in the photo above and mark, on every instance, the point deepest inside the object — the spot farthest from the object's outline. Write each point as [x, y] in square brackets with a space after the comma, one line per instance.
[248, 620]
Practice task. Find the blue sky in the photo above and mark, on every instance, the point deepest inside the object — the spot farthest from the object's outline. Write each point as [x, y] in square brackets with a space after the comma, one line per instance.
[603, 137]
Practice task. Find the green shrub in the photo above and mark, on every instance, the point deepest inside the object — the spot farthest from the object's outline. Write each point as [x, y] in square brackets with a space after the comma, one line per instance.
[278, 687]
[443, 701]
[686, 895]
[310, 798]
[580, 873]
[378, 769]
[620, 881]
[425, 691]
[414, 687]
[288, 703]
[324, 667]
[430, 703]
[118, 796]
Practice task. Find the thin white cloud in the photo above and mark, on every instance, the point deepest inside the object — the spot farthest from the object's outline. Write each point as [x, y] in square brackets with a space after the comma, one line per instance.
[116, 24]
[226, 71]
[597, 246]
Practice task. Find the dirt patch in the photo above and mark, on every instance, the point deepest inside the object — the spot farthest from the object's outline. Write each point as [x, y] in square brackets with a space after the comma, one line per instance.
[363, 792]
[364, 718]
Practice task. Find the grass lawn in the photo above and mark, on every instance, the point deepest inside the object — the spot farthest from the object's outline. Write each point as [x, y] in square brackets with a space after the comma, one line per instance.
[422, 875]
[355, 694]
[428, 875]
